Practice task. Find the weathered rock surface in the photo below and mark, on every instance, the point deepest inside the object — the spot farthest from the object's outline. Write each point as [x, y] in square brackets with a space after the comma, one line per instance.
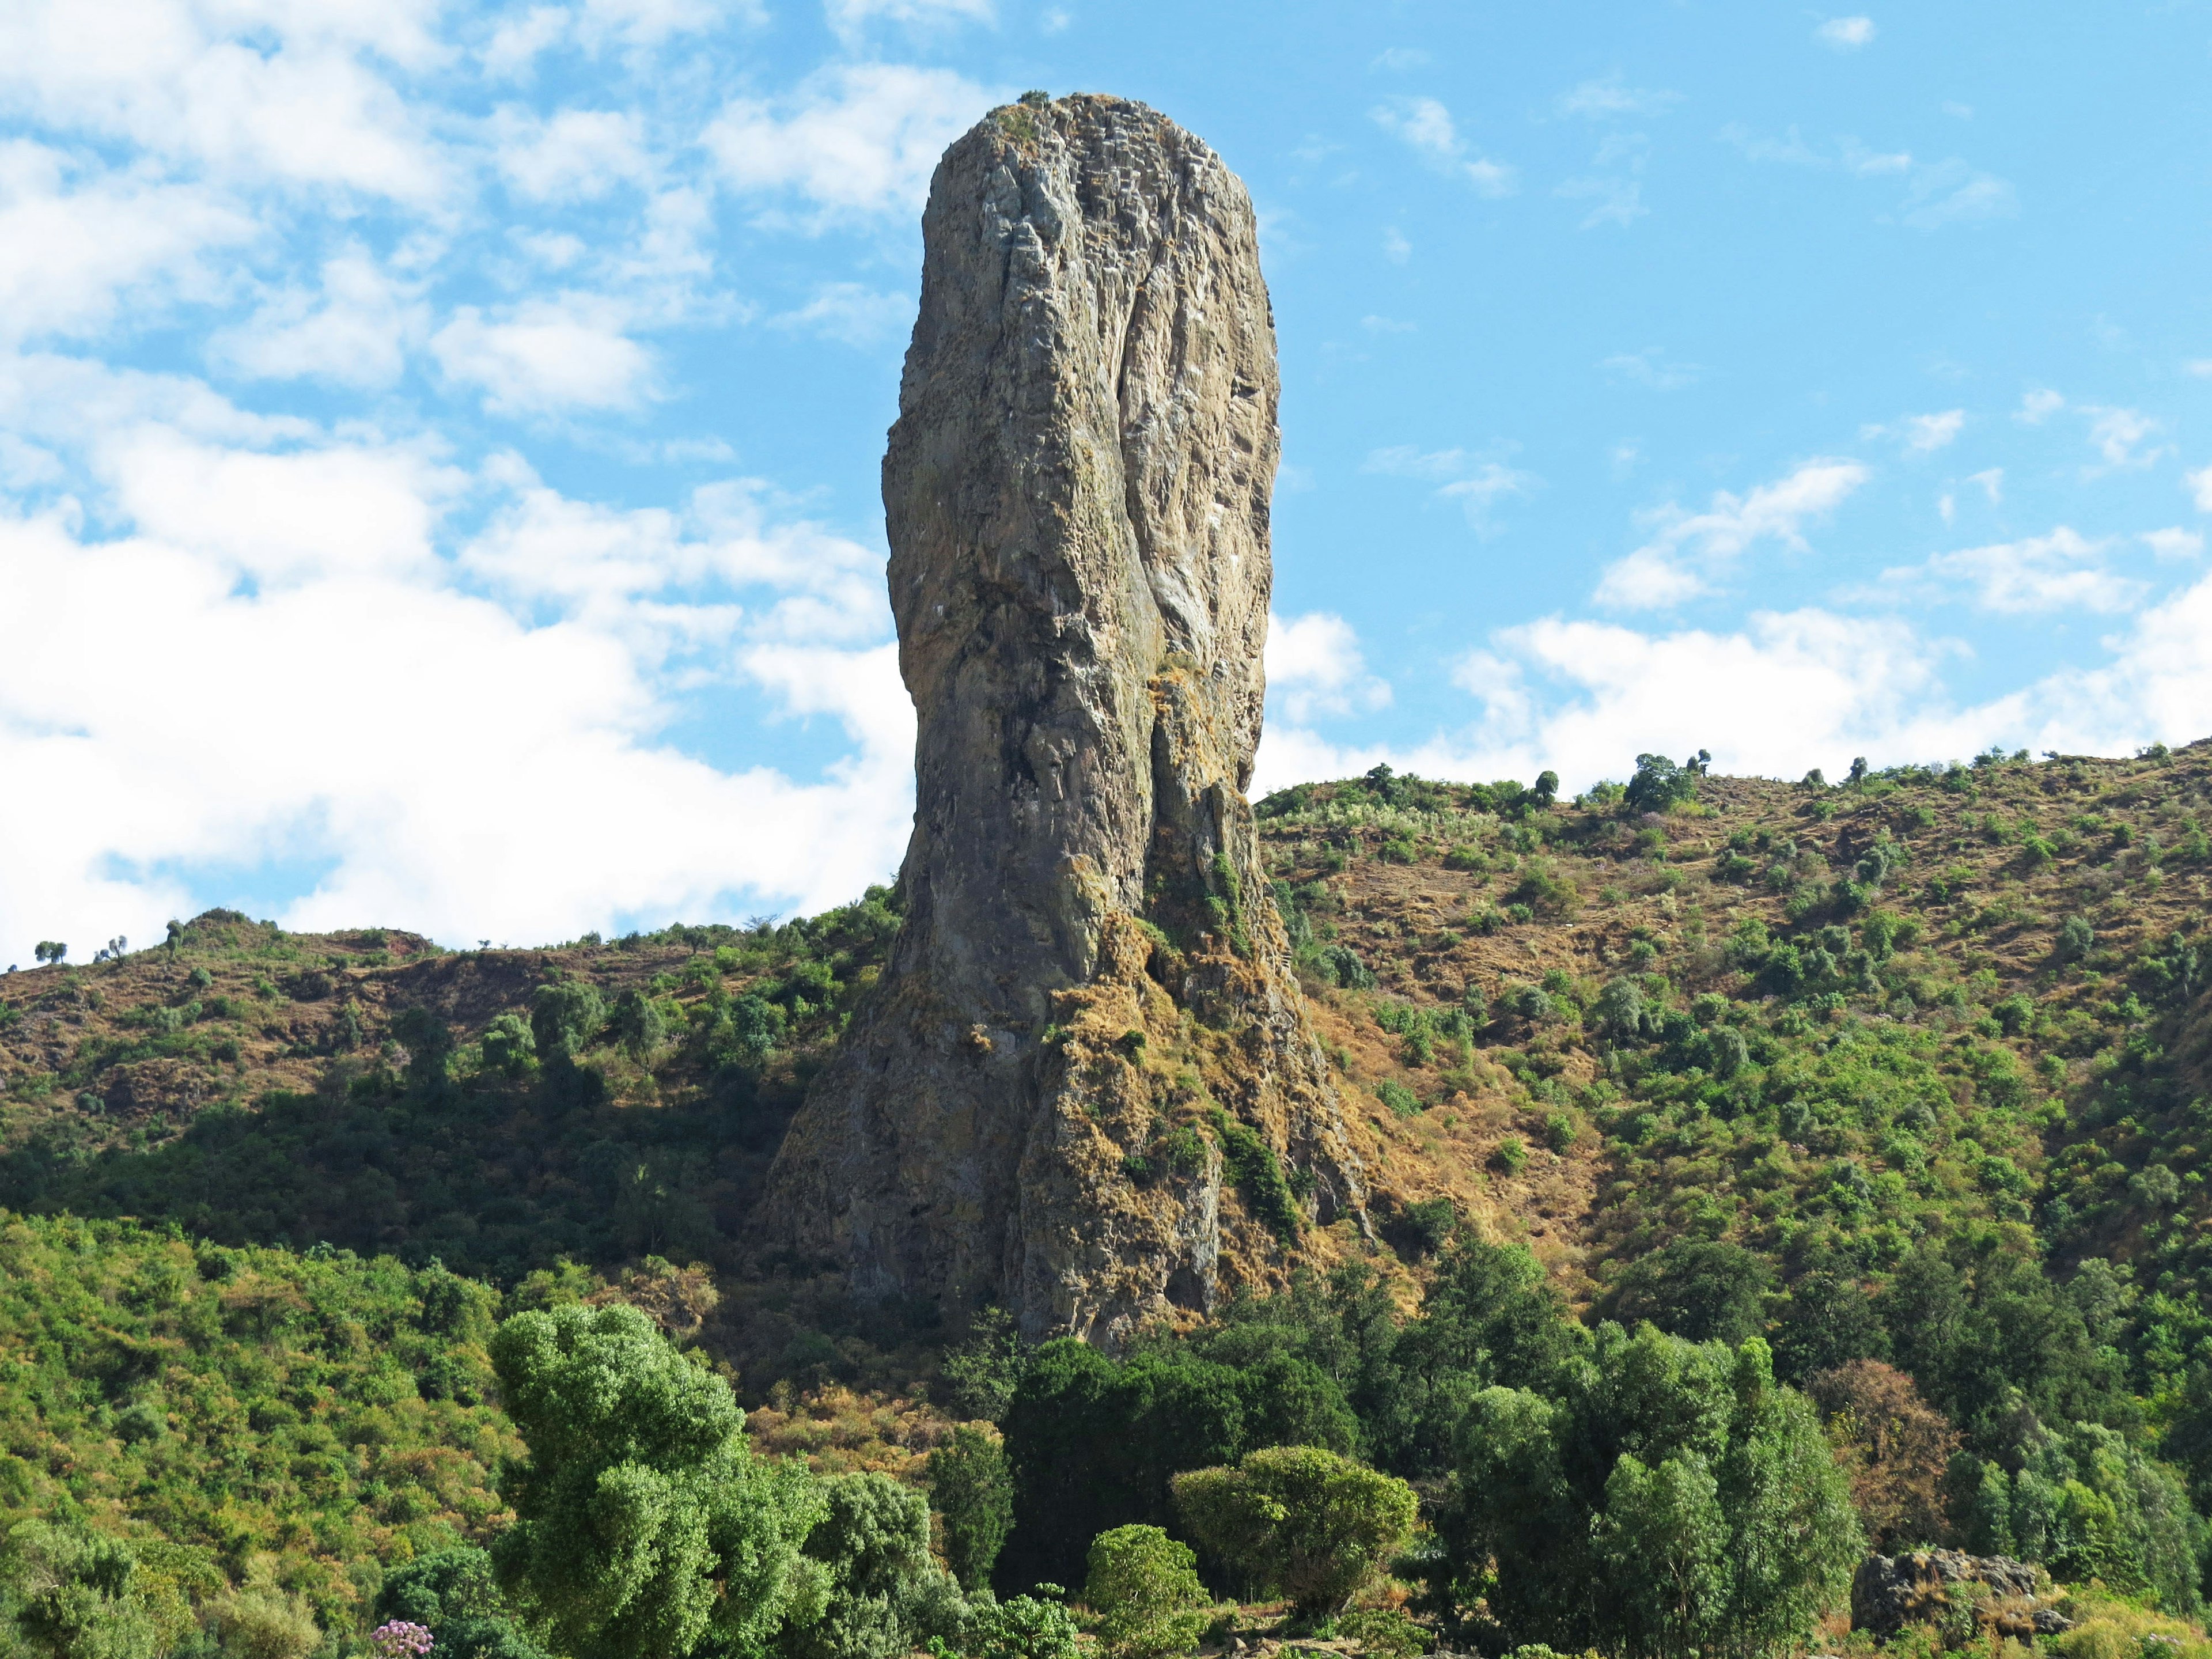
[1921, 1588]
[1091, 991]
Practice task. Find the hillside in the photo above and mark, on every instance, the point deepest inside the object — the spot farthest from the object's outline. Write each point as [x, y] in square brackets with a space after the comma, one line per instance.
[1910, 1068]
[1818, 1022]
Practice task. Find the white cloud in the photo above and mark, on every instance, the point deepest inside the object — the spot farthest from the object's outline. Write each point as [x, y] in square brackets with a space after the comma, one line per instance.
[1846, 34]
[1395, 248]
[851, 313]
[256, 89]
[2062, 571]
[850, 17]
[1400, 58]
[2172, 544]
[2199, 485]
[1475, 482]
[1652, 367]
[545, 356]
[1691, 550]
[854, 141]
[2199, 367]
[1614, 201]
[1609, 97]
[542, 705]
[2118, 433]
[1426, 126]
[1952, 193]
[356, 330]
[2038, 405]
[576, 155]
[1991, 480]
[1921, 433]
[1785, 692]
[1314, 667]
[76, 243]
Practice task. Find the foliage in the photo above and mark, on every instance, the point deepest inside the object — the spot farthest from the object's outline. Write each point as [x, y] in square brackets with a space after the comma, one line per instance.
[1896, 1449]
[1300, 1521]
[1020, 1627]
[452, 1596]
[644, 1527]
[1093, 1443]
[881, 1594]
[208, 1409]
[1666, 1497]
[1144, 1587]
[971, 1488]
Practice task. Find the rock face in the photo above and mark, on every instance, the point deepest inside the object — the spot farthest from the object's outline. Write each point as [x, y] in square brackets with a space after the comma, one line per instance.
[1928, 1586]
[1087, 1069]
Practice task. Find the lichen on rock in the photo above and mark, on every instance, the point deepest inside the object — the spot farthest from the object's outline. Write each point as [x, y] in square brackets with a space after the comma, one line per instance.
[1087, 1068]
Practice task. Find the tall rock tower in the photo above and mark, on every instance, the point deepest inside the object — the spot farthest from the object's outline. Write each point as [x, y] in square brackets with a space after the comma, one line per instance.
[1087, 1068]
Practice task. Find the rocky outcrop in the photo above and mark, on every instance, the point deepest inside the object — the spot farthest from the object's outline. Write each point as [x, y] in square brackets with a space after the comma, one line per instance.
[1931, 1587]
[1086, 1076]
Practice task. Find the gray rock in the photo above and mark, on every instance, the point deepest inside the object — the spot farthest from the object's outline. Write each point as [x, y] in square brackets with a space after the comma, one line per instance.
[1890, 1592]
[1077, 493]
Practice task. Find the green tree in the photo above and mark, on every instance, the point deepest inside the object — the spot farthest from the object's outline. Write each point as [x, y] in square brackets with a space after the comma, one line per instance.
[1686, 1456]
[1299, 1520]
[454, 1594]
[1020, 1627]
[1705, 1288]
[564, 1018]
[1144, 1587]
[75, 1595]
[882, 1595]
[638, 1024]
[644, 1528]
[508, 1047]
[971, 1488]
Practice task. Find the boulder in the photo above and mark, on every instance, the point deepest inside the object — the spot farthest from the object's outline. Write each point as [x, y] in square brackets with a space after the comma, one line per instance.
[1925, 1586]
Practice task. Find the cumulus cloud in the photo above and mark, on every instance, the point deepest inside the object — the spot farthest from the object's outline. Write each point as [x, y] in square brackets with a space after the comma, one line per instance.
[260, 90]
[2199, 486]
[2118, 436]
[1922, 434]
[1315, 667]
[524, 679]
[1426, 126]
[854, 141]
[574, 154]
[546, 356]
[356, 329]
[77, 242]
[1476, 482]
[1784, 692]
[851, 313]
[1690, 551]
[1610, 98]
[2064, 570]
[2174, 544]
[1653, 368]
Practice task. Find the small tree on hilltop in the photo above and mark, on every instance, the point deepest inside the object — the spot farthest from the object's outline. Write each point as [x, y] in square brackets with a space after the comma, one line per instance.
[1301, 1521]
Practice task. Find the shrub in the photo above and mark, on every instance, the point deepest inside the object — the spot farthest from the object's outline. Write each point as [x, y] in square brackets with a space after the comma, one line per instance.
[1020, 1627]
[1896, 1448]
[1300, 1521]
[885, 1596]
[564, 1019]
[2075, 936]
[1398, 1097]
[1144, 1587]
[1511, 1154]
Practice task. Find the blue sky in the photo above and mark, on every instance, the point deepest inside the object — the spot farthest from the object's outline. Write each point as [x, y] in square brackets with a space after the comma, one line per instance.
[439, 445]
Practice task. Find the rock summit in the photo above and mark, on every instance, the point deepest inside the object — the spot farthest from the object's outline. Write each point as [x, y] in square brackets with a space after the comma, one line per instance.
[1084, 1087]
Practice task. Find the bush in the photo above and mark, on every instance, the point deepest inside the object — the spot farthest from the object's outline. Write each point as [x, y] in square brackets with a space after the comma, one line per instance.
[1401, 1101]
[885, 1596]
[1299, 1521]
[1144, 1587]
[1020, 1627]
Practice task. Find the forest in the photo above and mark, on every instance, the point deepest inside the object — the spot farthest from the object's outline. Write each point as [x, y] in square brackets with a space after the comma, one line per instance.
[1777, 1171]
